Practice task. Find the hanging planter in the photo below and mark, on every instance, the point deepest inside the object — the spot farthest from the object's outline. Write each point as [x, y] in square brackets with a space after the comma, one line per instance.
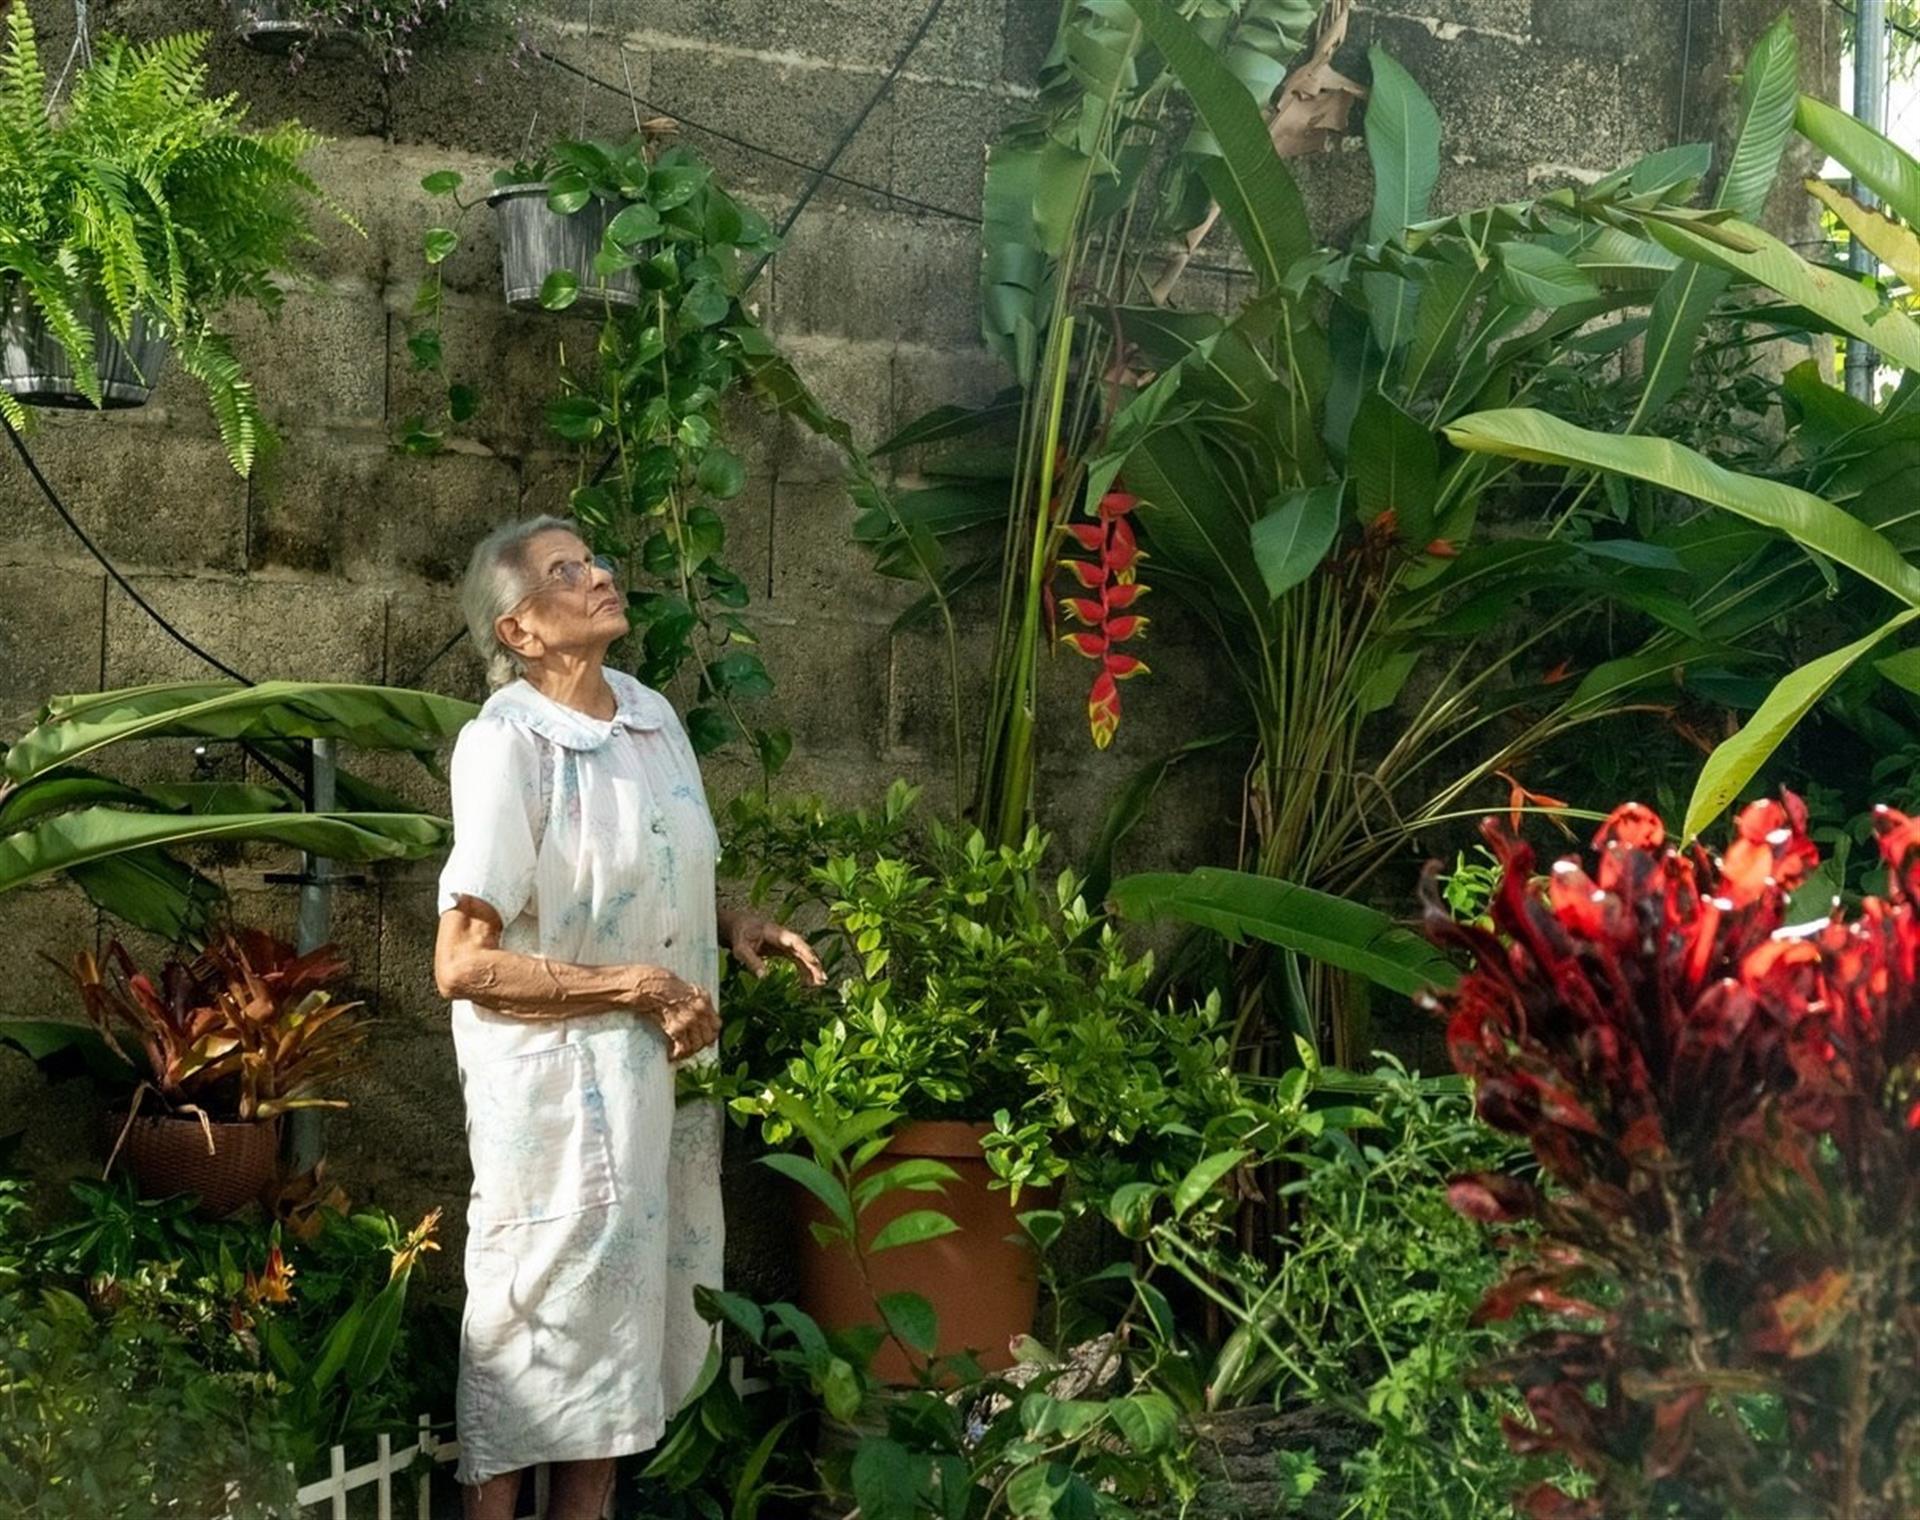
[36, 368]
[168, 1155]
[273, 26]
[547, 257]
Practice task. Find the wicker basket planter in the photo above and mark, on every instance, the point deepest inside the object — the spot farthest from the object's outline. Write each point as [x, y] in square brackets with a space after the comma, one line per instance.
[168, 1155]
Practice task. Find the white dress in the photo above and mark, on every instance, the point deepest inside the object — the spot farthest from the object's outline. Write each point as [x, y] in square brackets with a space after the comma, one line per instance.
[596, 1205]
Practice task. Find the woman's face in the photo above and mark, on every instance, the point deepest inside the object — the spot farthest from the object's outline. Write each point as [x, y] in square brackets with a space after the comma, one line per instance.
[558, 618]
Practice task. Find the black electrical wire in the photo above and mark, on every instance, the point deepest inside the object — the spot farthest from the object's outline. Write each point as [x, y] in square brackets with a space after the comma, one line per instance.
[60, 507]
[120, 580]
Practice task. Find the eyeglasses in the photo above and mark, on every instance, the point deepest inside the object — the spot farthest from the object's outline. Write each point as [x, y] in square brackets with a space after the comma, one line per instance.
[574, 573]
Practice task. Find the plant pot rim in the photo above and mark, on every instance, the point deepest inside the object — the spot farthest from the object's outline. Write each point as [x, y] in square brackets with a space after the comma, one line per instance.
[532, 187]
[167, 1116]
[939, 1137]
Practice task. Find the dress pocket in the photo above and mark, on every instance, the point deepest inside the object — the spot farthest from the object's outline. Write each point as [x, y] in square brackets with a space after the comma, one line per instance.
[537, 1131]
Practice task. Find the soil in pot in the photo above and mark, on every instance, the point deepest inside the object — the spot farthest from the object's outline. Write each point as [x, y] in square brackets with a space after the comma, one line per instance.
[168, 1155]
[537, 242]
[34, 365]
[981, 1279]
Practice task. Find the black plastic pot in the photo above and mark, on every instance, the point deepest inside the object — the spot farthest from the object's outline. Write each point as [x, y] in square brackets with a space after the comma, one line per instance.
[35, 367]
[537, 242]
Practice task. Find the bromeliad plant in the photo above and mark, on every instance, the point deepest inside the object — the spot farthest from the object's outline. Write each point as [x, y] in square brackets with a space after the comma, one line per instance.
[142, 200]
[1722, 1111]
[247, 1030]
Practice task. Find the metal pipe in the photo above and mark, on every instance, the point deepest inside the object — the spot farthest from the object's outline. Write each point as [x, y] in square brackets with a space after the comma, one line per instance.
[1869, 106]
[312, 927]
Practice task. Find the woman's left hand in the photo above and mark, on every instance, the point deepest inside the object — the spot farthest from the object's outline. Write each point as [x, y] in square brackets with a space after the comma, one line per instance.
[752, 940]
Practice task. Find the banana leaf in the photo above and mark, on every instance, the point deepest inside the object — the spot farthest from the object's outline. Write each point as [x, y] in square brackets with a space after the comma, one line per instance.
[1879, 163]
[1347, 935]
[1806, 519]
[1257, 196]
[373, 717]
[1769, 94]
[1736, 761]
[90, 835]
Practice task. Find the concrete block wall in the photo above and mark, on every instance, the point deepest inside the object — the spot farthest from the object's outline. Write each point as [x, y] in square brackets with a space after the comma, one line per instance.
[338, 559]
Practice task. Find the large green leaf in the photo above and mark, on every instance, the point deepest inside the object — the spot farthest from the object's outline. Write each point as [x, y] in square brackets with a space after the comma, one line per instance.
[1403, 142]
[92, 834]
[1194, 522]
[1894, 243]
[1736, 761]
[1814, 524]
[1295, 535]
[1880, 164]
[1837, 298]
[1240, 905]
[1769, 93]
[1257, 196]
[372, 717]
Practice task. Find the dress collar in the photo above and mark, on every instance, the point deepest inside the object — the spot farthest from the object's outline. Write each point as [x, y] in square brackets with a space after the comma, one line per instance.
[525, 704]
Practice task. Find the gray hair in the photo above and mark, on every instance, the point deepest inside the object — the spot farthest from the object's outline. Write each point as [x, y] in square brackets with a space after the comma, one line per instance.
[498, 579]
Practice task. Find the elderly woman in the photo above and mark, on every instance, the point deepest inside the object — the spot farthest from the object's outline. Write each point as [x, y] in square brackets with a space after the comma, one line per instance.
[579, 942]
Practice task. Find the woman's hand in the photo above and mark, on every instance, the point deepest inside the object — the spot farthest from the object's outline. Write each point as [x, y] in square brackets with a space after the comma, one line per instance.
[752, 940]
[684, 1012]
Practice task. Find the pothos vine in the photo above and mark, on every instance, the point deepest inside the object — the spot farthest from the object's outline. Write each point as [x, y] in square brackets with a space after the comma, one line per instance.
[643, 414]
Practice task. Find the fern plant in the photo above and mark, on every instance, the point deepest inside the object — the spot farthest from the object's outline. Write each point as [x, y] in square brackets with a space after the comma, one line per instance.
[144, 197]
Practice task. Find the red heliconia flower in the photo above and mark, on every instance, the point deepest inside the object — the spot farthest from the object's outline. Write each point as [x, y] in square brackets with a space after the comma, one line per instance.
[1110, 579]
[1723, 1110]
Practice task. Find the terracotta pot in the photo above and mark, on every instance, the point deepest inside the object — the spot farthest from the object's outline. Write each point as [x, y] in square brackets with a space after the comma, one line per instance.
[168, 1155]
[981, 1279]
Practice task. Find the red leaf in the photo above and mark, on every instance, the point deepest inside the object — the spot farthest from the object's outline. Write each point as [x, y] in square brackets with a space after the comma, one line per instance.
[1120, 629]
[1084, 610]
[1090, 536]
[1091, 574]
[1492, 1198]
[1124, 666]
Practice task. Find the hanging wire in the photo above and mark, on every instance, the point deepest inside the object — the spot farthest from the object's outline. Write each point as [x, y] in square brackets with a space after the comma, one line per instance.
[82, 48]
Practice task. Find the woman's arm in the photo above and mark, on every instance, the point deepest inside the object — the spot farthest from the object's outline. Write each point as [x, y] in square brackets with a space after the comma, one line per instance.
[469, 963]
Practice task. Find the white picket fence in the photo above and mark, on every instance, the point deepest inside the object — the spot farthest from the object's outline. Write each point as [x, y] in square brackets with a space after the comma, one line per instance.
[389, 1463]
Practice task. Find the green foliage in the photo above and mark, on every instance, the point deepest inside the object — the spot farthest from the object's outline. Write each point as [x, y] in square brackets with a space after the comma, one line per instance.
[1365, 1311]
[144, 199]
[152, 1358]
[393, 31]
[117, 841]
[646, 413]
[967, 987]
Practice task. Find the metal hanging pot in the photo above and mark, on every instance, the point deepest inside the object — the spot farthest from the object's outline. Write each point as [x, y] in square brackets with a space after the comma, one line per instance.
[287, 26]
[35, 366]
[537, 242]
[272, 26]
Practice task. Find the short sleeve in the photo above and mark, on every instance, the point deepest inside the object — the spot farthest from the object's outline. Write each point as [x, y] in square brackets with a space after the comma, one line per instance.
[495, 776]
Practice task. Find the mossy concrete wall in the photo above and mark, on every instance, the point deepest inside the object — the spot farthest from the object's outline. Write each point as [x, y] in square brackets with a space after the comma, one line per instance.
[337, 560]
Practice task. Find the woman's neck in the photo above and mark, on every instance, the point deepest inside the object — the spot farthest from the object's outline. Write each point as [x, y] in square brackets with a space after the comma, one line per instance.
[577, 683]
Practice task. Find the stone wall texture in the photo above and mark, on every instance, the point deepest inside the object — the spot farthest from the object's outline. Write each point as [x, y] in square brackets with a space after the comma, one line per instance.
[338, 559]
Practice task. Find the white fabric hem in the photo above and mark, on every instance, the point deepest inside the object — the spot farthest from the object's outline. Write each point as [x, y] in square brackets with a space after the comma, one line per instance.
[471, 1470]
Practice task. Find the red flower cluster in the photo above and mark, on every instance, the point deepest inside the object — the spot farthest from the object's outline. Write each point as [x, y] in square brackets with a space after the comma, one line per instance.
[1723, 1230]
[1105, 612]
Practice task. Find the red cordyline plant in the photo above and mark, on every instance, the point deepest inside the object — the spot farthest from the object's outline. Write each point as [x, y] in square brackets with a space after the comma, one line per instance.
[1110, 586]
[1722, 1251]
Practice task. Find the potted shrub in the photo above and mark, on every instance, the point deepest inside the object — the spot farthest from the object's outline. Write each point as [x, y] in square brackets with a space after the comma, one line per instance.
[226, 1042]
[129, 214]
[992, 1037]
